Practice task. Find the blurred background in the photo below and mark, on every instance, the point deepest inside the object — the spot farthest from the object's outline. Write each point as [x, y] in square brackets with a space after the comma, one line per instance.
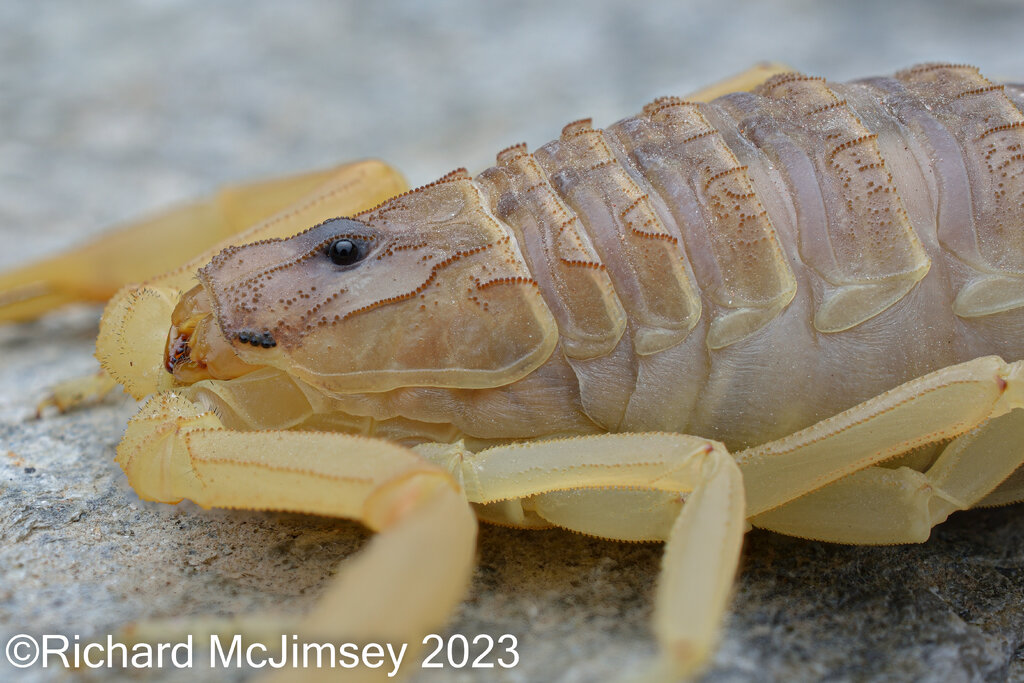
[112, 109]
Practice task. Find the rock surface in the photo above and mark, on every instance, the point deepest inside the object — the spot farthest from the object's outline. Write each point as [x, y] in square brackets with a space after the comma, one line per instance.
[112, 109]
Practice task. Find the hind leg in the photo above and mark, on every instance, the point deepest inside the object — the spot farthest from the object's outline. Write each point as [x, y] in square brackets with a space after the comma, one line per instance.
[825, 482]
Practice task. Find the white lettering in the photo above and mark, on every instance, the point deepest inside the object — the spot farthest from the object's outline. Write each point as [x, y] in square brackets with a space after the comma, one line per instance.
[279, 664]
[185, 649]
[373, 652]
[322, 649]
[143, 657]
[235, 651]
[349, 656]
[89, 663]
[396, 660]
[111, 648]
[60, 652]
[227, 652]
[251, 661]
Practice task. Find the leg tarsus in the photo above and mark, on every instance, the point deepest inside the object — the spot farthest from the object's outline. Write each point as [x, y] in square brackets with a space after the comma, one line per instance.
[75, 393]
[693, 591]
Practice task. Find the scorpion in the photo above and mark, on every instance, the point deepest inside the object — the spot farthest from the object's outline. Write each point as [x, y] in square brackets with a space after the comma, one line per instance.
[781, 302]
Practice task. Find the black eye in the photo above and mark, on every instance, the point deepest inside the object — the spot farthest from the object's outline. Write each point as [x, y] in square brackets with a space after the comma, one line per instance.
[344, 252]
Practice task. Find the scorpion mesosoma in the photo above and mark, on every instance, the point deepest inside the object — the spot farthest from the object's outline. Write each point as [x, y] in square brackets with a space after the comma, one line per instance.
[785, 301]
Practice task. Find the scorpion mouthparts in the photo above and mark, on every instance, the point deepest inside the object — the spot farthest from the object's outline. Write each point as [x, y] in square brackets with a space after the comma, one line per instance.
[177, 350]
[183, 354]
[197, 349]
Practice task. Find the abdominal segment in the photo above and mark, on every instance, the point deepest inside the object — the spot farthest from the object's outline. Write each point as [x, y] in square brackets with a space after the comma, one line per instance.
[742, 268]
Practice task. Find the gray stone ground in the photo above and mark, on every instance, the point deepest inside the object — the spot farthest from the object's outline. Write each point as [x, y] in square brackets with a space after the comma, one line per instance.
[111, 109]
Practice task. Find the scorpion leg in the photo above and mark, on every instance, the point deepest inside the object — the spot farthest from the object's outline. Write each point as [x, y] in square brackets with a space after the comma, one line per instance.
[172, 451]
[77, 391]
[823, 482]
[142, 250]
[744, 81]
[1010, 491]
[704, 539]
[129, 346]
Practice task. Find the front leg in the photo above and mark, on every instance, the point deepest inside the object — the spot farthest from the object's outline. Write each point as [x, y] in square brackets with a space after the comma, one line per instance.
[407, 581]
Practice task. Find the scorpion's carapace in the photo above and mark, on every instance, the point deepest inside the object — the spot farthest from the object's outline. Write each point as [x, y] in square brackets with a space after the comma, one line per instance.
[438, 296]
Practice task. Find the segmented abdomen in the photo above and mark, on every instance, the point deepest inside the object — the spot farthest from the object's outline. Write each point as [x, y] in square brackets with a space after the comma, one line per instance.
[804, 246]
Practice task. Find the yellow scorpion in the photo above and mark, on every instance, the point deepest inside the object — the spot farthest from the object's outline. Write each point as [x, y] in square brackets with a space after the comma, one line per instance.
[781, 302]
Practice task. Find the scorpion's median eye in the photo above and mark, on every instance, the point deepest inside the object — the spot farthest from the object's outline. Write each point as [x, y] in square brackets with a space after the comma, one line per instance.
[344, 252]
